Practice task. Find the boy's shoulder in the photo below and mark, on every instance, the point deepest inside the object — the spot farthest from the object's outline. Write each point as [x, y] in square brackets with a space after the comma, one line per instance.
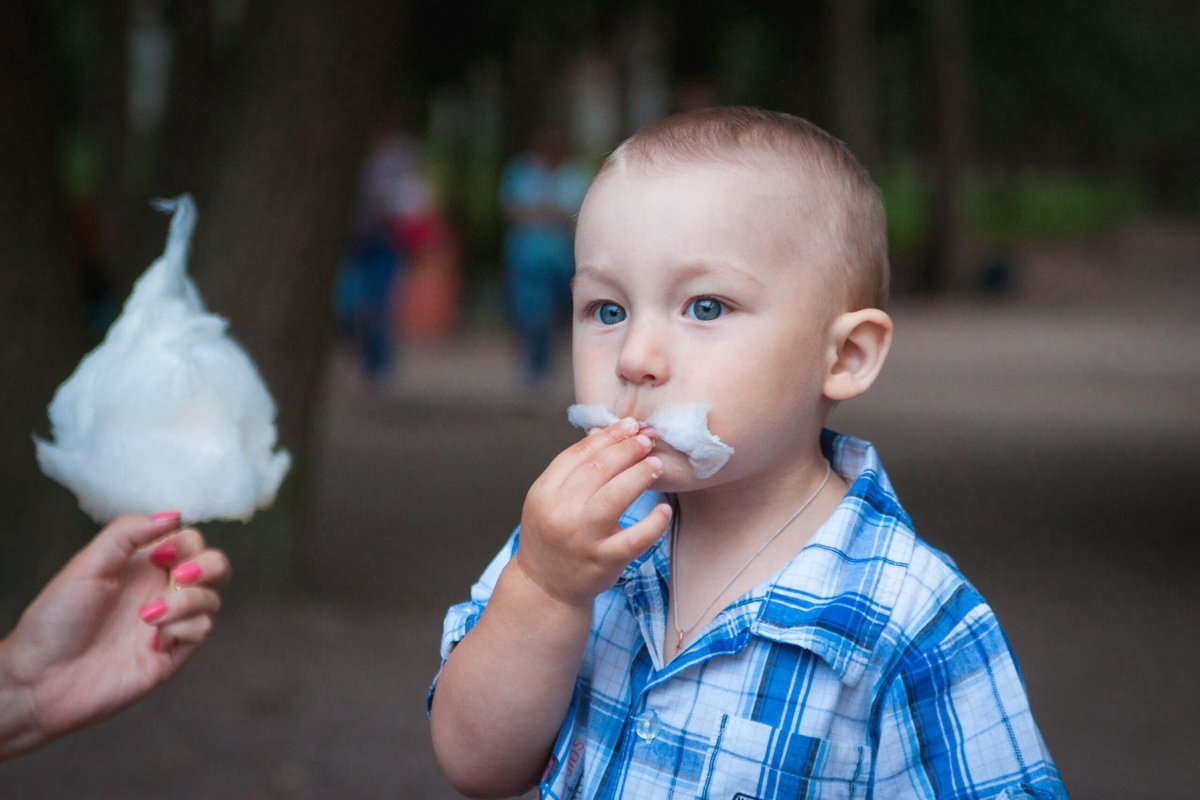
[867, 589]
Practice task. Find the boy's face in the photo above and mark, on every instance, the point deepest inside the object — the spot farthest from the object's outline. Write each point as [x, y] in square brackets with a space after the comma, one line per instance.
[695, 285]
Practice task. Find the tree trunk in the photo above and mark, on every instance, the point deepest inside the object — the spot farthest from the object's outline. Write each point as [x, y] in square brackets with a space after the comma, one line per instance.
[41, 332]
[948, 28]
[292, 121]
[854, 87]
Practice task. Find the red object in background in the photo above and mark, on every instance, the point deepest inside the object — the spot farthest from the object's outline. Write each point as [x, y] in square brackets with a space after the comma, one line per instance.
[426, 301]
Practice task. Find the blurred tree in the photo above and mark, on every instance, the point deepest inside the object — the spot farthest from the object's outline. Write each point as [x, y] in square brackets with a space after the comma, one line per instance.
[270, 139]
[41, 332]
[291, 120]
[855, 87]
[950, 59]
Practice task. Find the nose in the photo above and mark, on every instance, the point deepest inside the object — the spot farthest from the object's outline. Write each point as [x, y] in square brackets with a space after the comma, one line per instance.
[643, 359]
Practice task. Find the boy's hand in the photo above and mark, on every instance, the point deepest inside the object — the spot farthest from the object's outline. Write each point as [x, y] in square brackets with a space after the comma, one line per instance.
[572, 546]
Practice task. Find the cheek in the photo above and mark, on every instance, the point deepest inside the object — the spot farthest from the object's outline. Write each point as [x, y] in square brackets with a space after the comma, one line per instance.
[591, 369]
[770, 398]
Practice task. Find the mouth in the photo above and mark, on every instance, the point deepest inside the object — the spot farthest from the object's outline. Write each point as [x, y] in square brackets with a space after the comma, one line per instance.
[684, 428]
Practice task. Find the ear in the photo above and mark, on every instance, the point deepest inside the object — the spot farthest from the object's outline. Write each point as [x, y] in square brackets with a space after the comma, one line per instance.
[859, 344]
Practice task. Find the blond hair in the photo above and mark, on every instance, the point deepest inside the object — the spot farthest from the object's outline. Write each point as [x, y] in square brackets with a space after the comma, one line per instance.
[840, 198]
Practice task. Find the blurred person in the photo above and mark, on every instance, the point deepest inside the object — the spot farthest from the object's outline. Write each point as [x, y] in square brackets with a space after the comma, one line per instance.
[540, 193]
[426, 301]
[393, 191]
[770, 628]
[105, 630]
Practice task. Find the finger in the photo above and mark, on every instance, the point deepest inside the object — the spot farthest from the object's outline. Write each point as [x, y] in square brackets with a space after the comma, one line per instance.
[192, 630]
[566, 461]
[615, 496]
[116, 543]
[628, 544]
[182, 604]
[177, 547]
[592, 474]
[208, 568]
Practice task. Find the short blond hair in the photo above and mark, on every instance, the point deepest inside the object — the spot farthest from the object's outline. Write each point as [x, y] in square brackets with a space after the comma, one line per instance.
[848, 205]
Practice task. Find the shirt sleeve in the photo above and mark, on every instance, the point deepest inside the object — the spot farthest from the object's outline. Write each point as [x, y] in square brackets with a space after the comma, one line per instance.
[462, 617]
[955, 720]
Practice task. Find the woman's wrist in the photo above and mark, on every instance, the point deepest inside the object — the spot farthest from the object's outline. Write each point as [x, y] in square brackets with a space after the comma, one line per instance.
[19, 729]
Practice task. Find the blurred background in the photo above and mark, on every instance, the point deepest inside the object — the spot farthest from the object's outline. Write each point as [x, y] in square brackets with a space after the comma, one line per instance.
[386, 192]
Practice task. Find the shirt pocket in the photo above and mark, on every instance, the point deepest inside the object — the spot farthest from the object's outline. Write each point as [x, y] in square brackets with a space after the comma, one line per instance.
[753, 761]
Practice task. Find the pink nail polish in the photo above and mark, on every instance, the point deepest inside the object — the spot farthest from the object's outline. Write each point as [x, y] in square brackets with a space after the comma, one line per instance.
[167, 516]
[188, 572]
[153, 611]
[156, 644]
[164, 555]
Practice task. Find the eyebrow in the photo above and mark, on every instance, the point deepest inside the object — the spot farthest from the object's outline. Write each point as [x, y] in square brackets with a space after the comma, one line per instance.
[682, 272]
[699, 269]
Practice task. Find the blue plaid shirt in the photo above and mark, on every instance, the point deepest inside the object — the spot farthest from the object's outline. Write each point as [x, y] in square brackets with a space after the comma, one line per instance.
[868, 667]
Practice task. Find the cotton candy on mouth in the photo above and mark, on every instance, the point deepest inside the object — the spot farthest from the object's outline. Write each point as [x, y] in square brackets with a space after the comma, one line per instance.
[683, 427]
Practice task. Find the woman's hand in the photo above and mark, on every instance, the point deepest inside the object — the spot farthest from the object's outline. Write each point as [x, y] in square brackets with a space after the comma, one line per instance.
[107, 629]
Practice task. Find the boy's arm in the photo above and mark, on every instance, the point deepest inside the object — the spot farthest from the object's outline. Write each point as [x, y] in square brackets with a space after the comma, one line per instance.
[955, 719]
[504, 691]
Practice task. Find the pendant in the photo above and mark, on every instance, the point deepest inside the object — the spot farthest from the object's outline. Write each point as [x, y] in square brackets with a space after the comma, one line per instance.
[679, 642]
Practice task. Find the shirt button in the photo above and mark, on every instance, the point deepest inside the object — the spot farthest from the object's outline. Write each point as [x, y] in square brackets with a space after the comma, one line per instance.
[647, 725]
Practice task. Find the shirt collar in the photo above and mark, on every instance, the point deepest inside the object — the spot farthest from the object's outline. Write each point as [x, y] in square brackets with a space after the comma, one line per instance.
[836, 596]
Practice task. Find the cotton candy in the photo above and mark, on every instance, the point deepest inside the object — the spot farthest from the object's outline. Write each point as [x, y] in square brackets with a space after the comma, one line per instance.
[167, 412]
[683, 427]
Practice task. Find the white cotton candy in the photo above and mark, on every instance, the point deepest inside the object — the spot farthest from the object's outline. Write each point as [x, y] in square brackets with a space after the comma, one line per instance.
[588, 417]
[168, 413]
[685, 428]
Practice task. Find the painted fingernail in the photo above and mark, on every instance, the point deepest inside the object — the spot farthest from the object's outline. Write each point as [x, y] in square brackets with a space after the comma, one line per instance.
[156, 644]
[629, 424]
[153, 611]
[644, 440]
[164, 555]
[188, 572]
[167, 516]
[655, 464]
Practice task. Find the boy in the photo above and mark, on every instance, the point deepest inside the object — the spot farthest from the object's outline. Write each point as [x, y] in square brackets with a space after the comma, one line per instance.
[774, 630]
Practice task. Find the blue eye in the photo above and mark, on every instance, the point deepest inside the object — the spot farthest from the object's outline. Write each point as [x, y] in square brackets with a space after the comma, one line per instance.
[705, 309]
[609, 314]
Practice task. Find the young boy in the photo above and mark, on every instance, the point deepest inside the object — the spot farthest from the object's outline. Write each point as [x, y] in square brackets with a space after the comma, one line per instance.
[775, 629]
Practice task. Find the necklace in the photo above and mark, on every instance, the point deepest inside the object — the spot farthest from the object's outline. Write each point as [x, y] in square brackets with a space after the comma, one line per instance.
[684, 631]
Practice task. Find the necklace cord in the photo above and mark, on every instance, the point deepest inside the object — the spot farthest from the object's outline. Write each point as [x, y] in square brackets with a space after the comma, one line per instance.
[681, 631]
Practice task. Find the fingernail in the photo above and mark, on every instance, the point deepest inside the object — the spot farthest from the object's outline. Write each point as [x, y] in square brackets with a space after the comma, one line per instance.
[156, 644]
[644, 440]
[164, 555]
[153, 611]
[188, 572]
[167, 516]
[655, 464]
[629, 425]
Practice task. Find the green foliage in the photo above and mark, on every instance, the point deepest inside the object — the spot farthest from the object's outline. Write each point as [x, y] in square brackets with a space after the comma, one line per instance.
[1048, 205]
[908, 202]
[1002, 209]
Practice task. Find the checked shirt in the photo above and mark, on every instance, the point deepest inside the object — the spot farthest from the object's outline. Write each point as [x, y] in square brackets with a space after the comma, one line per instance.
[868, 667]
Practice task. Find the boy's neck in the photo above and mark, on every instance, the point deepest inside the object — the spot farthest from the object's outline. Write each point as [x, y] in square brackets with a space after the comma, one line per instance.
[731, 517]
